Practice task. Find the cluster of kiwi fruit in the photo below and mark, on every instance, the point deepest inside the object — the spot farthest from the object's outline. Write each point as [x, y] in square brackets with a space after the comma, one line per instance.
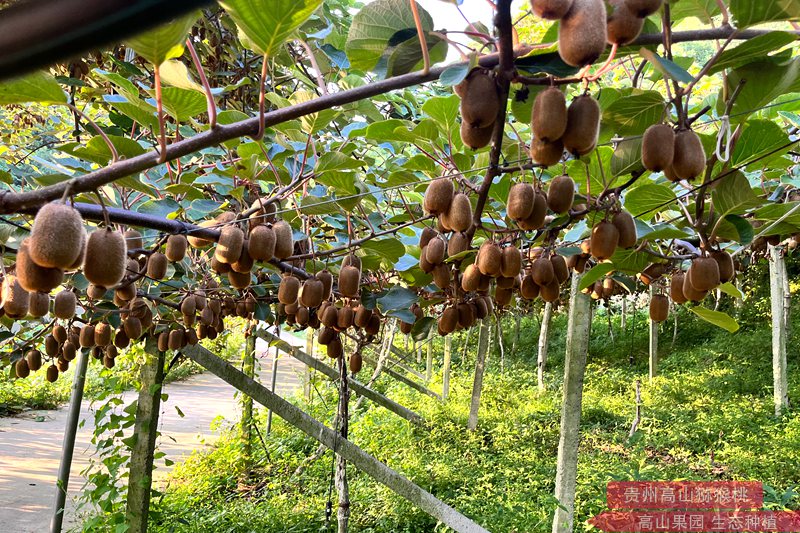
[480, 104]
[605, 288]
[545, 275]
[706, 273]
[557, 127]
[609, 235]
[585, 26]
[679, 155]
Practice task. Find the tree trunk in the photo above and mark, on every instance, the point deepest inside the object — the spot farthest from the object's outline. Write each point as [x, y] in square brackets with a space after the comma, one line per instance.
[480, 368]
[248, 367]
[343, 512]
[145, 429]
[623, 317]
[544, 335]
[653, 346]
[578, 332]
[448, 348]
[777, 277]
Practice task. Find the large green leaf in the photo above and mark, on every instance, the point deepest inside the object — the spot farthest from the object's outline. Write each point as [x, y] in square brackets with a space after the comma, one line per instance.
[752, 50]
[705, 10]
[759, 138]
[733, 195]
[164, 42]
[444, 111]
[750, 12]
[631, 115]
[646, 201]
[37, 87]
[627, 157]
[264, 25]
[718, 318]
[765, 81]
[379, 25]
[407, 57]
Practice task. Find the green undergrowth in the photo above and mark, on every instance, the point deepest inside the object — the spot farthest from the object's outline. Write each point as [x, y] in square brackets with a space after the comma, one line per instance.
[708, 416]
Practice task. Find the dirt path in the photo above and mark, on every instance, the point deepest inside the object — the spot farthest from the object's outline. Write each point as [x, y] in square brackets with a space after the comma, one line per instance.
[30, 444]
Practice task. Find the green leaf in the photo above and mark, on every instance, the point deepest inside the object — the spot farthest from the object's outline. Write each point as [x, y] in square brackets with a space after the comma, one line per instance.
[597, 272]
[718, 318]
[766, 80]
[750, 12]
[264, 25]
[733, 195]
[397, 298]
[164, 42]
[630, 261]
[423, 329]
[667, 68]
[547, 63]
[627, 157]
[175, 73]
[183, 104]
[753, 50]
[312, 122]
[454, 75]
[444, 111]
[631, 115]
[407, 57]
[759, 138]
[731, 290]
[36, 87]
[647, 200]
[705, 10]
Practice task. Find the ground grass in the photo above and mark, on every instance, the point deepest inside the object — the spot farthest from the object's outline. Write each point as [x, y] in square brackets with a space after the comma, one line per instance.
[707, 417]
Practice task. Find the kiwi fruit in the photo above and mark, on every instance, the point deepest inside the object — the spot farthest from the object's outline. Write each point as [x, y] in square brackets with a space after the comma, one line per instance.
[561, 194]
[551, 9]
[448, 321]
[349, 281]
[704, 274]
[102, 334]
[134, 239]
[261, 245]
[623, 25]
[245, 262]
[59, 334]
[121, 339]
[86, 338]
[490, 259]
[197, 242]
[676, 288]
[644, 8]
[436, 251]
[218, 267]
[550, 292]
[459, 215]
[362, 316]
[311, 293]
[96, 292]
[582, 33]
[441, 276]
[106, 257]
[520, 201]
[503, 297]
[583, 122]
[549, 117]
[15, 299]
[352, 260]
[356, 362]
[458, 243]
[481, 101]
[326, 335]
[427, 235]
[658, 147]
[229, 246]
[70, 350]
[725, 264]
[52, 373]
[38, 304]
[689, 160]
[608, 287]
[659, 308]
[345, 317]
[476, 138]
[176, 248]
[284, 241]
[327, 283]
[538, 214]
[239, 280]
[529, 288]
[34, 360]
[510, 262]
[21, 368]
[51, 345]
[175, 340]
[288, 289]
[560, 270]
[56, 236]
[546, 153]
[542, 271]
[33, 277]
[438, 196]
[471, 278]
[157, 265]
[188, 305]
[424, 264]
[605, 239]
[626, 228]
[133, 327]
[652, 273]
[265, 212]
[335, 347]
[466, 315]
[374, 325]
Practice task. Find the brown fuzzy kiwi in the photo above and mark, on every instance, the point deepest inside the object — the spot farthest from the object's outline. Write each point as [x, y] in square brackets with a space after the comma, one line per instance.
[471, 278]
[549, 117]
[102, 334]
[490, 259]
[427, 235]
[690, 156]
[436, 251]
[582, 33]
[669, 173]
[542, 271]
[441, 276]
[189, 305]
[644, 8]
[56, 236]
[15, 299]
[690, 293]
[551, 9]
[597, 290]
[106, 257]
[424, 265]
[652, 273]
[356, 362]
[134, 239]
[311, 293]
[605, 238]
[374, 325]
[86, 337]
[335, 348]
[288, 289]
[62, 364]
[265, 212]
[21, 368]
[52, 373]
[327, 283]
[326, 335]
[550, 292]
[133, 327]
[511, 262]
[448, 322]
[626, 227]
[505, 283]
[70, 349]
[529, 289]
[345, 318]
[207, 316]
[125, 293]
[191, 337]
[459, 215]
[623, 25]
[239, 280]
[38, 304]
[481, 102]
[520, 201]
[560, 270]
[438, 196]
[31, 276]
[466, 315]
[96, 292]
[362, 316]
[676, 288]
[725, 263]
[405, 327]
[658, 147]
[64, 305]
[284, 241]
[608, 287]
[198, 242]
[349, 281]
[261, 243]
[157, 265]
[51, 345]
[176, 248]
[546, 153]
[245, 262]
[218, 267]
[121, 339]
[352, 260]
[561, 194]
[59, 333]
[176, 338]
[229, 246]
[704, 274]
[536, 220]
[503, 297]
[583, 124]
[458, 243]
[476, 138]
[659, 308]
[34, 358]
